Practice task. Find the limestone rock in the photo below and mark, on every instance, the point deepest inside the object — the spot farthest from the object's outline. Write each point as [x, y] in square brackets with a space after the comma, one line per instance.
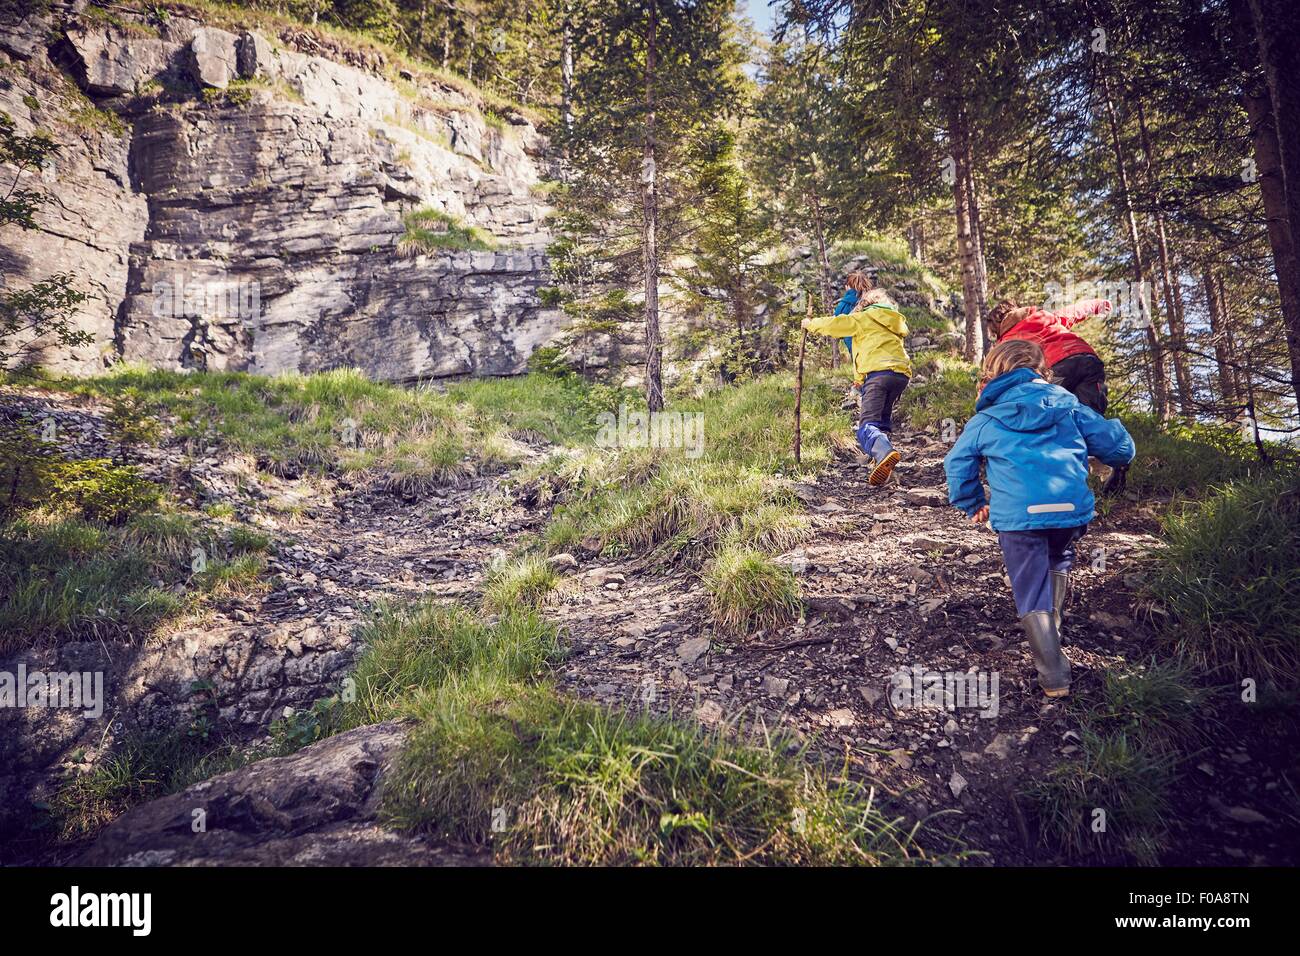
[315, 807]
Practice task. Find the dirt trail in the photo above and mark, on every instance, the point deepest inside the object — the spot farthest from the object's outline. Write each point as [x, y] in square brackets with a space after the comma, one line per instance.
[895, 580]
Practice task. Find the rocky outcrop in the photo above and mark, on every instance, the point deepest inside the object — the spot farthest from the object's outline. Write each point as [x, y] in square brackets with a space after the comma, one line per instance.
[317, 807]
[234, 202]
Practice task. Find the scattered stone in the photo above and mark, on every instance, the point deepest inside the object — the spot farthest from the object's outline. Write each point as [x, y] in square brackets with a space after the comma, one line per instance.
[956, 783]
[999, 746]
[688, 652]
[709, 712]
[841, 717]
[563, 562]
[926, 497]
[872, 695]
[775, 686]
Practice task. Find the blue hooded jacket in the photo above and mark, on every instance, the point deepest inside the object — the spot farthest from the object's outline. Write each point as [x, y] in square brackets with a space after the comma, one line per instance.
[1036, 438]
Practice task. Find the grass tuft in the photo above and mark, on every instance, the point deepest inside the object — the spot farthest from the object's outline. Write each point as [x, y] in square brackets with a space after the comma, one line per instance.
[749, 592]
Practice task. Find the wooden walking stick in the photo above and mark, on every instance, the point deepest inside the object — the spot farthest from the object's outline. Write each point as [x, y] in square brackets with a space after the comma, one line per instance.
[798, 387]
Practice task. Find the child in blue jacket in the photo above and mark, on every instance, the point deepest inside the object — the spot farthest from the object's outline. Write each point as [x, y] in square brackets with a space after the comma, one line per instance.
[1035, 439]
[855, 284]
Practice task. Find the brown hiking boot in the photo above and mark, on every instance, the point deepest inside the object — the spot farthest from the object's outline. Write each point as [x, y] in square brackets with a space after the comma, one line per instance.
[884, 468]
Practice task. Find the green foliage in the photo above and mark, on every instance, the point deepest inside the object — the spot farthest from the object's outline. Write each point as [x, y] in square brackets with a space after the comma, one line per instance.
[428, 230]
[748, 592]
[942, 392]
[1187, 459]
[141, 768]
[328, 421]
[1228, 572]
[33, 475]
[96, 489]
[642, 500]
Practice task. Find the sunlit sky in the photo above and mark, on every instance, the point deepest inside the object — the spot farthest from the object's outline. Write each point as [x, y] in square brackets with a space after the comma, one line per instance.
[760, 12]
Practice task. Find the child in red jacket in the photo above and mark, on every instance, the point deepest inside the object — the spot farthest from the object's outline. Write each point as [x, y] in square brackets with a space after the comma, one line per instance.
[1074, 364]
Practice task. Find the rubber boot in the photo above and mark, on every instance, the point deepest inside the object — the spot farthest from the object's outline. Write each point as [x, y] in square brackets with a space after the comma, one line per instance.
[882, 452]
[1060, 593]
[1045, 644]
[1118, 481]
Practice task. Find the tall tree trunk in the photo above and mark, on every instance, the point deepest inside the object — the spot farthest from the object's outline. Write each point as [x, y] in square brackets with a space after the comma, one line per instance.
[1274, 111]
[981, 265]
[654, 390]
[823, 262]
[968, 250]
[566, 69]
[1225, 314]
[1173, 295]
[1159, 381]
[916, 240]
[1222, 338]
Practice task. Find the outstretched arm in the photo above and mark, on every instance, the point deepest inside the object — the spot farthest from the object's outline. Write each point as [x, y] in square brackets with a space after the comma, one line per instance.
[1084, 309]
[962, 467]
[833, 325]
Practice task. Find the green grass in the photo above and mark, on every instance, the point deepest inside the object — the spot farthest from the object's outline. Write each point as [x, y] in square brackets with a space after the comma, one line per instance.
[430, 231]
[1228, 573]
[523, 582]
[567, 782]
[553, 408]
[1135, 731]
[66, 578]
[945, 396]
[638, 500]
[141, 768]
[1187, 460]
[335, 421]
[892, 257]
[748, 592]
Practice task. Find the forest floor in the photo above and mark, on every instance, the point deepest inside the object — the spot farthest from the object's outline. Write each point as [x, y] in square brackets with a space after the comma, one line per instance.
[892, 580]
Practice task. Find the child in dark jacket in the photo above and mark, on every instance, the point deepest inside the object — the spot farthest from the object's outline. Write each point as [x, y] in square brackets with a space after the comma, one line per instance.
[1035, 438]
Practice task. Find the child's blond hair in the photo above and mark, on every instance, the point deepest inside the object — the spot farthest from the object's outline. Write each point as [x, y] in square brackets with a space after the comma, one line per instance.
[1010, 355]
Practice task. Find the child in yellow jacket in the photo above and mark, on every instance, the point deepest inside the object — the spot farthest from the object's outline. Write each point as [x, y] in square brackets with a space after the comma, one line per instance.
[880, 363]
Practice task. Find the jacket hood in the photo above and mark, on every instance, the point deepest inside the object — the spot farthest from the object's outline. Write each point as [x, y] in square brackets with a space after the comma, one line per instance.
[1023, 402]
[890, 318]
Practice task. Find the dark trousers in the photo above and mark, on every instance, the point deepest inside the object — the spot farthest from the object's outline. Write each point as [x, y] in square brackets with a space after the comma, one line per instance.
[1030, 556]
[876, 411]
[1085, 376]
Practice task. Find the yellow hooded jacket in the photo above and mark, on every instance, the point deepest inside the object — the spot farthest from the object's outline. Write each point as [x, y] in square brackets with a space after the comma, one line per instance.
[877, 332]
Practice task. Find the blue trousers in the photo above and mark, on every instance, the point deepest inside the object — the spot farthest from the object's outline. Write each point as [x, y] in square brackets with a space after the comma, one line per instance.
[1031, 556]
[876, 409]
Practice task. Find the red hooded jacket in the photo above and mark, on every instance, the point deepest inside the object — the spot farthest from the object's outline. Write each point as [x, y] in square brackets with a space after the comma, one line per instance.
[1051, 330]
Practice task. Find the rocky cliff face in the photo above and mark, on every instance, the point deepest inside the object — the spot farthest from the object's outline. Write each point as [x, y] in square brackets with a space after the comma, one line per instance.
[236, 201]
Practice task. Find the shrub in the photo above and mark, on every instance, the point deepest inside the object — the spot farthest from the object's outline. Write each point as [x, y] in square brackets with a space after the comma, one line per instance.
[428, 231]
